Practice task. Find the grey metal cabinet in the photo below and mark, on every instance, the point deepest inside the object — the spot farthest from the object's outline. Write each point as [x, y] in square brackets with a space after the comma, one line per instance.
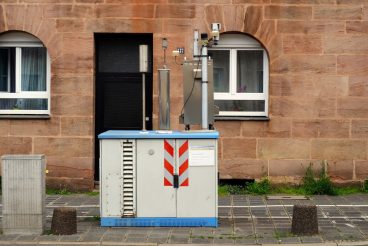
[154, 179]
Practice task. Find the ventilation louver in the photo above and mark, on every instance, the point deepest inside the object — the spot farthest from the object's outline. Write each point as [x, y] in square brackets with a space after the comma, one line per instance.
[128, 178]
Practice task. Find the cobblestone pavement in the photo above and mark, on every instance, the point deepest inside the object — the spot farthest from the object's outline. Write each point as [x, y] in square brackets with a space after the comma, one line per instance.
[246, 220]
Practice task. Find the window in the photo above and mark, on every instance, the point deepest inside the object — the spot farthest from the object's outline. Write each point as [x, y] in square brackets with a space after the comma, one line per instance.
[240, 73]
[24, 75]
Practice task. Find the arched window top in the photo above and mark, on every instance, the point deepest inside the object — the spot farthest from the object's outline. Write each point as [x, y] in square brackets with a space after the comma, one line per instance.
[240, 76]
[19, 39]
[24, 75]
[238, 41]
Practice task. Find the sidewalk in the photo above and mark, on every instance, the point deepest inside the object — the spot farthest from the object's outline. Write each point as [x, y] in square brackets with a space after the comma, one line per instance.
[244, 220]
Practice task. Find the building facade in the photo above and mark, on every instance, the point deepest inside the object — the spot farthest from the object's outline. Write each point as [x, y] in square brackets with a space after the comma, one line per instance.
[291, 80]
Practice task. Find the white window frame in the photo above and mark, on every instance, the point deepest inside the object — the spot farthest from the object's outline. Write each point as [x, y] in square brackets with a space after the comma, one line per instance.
[233, 44]
[19, 40]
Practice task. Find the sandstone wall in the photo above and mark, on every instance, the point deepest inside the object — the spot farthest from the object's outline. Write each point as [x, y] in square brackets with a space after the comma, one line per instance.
[318, 51]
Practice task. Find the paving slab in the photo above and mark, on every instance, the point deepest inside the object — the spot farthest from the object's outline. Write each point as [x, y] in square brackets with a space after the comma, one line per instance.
[242, 217]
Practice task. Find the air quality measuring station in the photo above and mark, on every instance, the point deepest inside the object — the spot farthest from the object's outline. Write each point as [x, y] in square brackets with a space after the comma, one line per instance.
[165, 177]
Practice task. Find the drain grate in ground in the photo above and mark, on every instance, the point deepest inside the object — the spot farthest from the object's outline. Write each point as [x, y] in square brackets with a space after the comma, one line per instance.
[287, 198]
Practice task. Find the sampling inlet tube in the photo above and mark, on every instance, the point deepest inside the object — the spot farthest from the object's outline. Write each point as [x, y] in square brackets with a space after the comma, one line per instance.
[164, 98]
[144, 101]
[196, 54]
[204, 89]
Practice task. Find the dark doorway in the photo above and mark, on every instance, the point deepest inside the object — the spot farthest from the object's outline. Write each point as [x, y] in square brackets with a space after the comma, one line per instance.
[119, 99]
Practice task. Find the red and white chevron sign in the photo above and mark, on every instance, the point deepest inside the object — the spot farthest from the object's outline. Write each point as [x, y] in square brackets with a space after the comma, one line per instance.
[183, 163]
[169, 162]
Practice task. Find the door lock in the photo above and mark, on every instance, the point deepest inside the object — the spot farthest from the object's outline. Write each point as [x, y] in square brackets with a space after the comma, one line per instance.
[176, 181]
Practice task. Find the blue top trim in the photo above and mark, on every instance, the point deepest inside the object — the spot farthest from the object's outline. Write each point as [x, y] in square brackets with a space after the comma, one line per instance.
[114, 134]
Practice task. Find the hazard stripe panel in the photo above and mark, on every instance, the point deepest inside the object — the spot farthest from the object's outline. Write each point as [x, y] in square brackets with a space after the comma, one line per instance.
[168, 162]
[183, 163]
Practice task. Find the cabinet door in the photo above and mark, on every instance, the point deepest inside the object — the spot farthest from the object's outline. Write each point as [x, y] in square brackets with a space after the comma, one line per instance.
[111, 185]
[197, 169]
[156, 196]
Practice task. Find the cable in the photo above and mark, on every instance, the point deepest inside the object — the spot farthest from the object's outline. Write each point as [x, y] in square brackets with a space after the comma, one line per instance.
[164, 57]
[191, 91]
[177, 62]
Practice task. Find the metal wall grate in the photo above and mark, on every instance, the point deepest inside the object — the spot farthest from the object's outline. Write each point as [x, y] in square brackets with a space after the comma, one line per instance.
[128, 164]
[23, 187]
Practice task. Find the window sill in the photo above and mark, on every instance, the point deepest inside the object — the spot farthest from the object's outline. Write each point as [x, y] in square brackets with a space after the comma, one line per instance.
[25, 116]
[242, 118]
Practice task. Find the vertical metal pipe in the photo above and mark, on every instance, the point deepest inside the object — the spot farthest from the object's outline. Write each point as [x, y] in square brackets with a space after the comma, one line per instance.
[143, 68]
[195, 45]
[204, 89]
[164, 98]
[144, 100]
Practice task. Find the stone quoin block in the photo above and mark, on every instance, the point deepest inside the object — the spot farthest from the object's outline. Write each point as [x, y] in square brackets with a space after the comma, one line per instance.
[352, 107]
[266, 31]
[33, 18]
[312, 64]
[361, 170]
[303, 107]
[359, 128]
[70, 105]
[291, 168]
[326, 86]
[76, 126]
[357, 27]
[237, 12]
[352, 64]
[338, 149]
[2, 22]
[68, 11]
[126, 10]
[72, 147]
[176, 11]
[15, 16]
[321, 128]
[288, 12]
[338, 13]
[302, 44]
[283, 149]
[15, 145]
[234, 148]
[243, 168]
[36, 127]
[310, 27]
[345, 44]
[358, 86]
[4, 128]
[70, 25]
[340, 170]
[214, 14]
[311, 2]
[228, 128]
[252, 19]
[72, 85]
[277, 127]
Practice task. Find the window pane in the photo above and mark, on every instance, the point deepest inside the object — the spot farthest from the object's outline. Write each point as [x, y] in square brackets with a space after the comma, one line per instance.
[34, 69]
[241, 105]
[4, 72]
[23, 104]
[250, 71]
[221, 66]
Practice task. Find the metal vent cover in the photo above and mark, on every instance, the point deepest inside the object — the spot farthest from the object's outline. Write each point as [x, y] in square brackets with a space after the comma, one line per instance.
[128, 167]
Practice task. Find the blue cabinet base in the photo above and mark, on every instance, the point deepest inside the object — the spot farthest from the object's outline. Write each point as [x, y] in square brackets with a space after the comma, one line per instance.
[161, 222]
